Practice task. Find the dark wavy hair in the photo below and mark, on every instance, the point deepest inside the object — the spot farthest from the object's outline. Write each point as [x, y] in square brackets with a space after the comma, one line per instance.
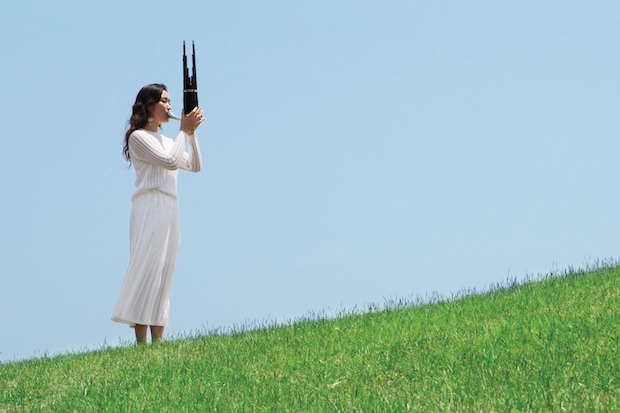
[147, 96]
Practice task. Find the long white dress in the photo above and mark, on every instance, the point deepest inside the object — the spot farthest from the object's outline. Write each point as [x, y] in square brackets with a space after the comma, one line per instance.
[154, 234]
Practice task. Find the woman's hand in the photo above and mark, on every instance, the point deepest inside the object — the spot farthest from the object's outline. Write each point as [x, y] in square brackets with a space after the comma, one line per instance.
[190, 122]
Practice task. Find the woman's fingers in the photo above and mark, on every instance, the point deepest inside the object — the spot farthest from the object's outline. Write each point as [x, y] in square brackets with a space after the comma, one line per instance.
[199, 115]
[192, 120]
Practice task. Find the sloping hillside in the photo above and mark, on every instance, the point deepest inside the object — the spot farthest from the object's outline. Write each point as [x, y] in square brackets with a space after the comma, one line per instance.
[546, 345]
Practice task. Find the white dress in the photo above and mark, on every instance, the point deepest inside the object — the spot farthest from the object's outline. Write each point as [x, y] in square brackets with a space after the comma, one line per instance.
[154, 234]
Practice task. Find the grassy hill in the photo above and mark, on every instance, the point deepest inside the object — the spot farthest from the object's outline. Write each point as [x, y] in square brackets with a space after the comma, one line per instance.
[545, 345]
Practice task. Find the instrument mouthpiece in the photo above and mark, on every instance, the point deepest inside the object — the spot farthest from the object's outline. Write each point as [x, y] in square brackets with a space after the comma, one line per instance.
[173, 116]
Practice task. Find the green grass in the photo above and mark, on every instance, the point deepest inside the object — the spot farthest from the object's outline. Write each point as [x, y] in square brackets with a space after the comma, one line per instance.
[544, 345]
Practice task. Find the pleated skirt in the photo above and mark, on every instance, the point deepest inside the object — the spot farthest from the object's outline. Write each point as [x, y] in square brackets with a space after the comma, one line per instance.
[154, 238]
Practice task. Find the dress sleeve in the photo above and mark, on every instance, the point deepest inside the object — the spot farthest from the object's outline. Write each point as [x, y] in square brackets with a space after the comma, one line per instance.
[150, 150]
[192, 160]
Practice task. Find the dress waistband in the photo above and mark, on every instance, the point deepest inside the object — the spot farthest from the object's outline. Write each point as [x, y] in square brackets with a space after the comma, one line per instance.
[145, 191]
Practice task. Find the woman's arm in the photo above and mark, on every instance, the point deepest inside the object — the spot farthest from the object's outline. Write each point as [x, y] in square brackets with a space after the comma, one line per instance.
[192, 160]
[148, 149]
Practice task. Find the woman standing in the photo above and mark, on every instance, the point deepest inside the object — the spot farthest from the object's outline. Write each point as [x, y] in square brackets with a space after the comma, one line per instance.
[154, 233]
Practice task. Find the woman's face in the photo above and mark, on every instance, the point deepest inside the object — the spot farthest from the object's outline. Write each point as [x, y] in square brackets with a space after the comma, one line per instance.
[159, 111]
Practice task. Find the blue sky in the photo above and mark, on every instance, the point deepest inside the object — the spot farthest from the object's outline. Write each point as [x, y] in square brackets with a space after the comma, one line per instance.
[353, 152]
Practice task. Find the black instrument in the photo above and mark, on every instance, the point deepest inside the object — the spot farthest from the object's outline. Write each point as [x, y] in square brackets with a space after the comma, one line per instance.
[190, 88]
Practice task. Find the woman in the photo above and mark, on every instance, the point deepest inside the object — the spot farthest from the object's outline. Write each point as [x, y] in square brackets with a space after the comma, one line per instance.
[154, 226]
